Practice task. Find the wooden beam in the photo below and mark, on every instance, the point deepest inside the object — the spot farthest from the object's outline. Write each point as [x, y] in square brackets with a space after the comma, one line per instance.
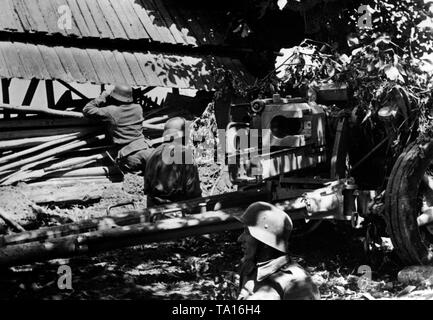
[155, 120]
[212, 203]
[81, 193]
[40, 147]
[68, 86]
[49, 88]
[54, 151]
[10, 222]
[30, 93]
[111, 238]
[29, 133]
[38, 110]
[5, 92]
[44, 123]
[27, 142]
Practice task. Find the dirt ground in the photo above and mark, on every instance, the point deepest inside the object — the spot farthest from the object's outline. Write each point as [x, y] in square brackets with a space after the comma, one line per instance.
[202, 267]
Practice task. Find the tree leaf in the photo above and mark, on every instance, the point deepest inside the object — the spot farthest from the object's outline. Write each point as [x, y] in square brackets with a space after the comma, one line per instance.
[392, 73]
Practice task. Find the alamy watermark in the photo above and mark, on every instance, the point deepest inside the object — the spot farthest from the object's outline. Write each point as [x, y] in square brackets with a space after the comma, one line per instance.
[365, 20]
[365, 279]
[65, 20]
[64, 282]
[235, 145]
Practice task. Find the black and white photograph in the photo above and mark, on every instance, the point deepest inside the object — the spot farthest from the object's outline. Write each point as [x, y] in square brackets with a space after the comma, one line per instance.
[188, 151]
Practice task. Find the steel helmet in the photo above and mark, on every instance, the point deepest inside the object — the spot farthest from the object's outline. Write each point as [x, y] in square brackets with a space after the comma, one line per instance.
[268, 224]
[122, 93]
[174, 126]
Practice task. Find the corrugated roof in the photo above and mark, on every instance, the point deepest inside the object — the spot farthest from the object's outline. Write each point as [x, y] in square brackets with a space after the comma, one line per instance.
[160, 21]
[71, 64]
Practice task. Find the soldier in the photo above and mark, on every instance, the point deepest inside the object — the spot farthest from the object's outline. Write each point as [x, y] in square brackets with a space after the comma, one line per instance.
[170, 173]
[125, 120]
[267, 272]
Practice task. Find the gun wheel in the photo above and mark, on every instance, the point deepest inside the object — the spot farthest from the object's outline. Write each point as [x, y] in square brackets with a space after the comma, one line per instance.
[409, 204]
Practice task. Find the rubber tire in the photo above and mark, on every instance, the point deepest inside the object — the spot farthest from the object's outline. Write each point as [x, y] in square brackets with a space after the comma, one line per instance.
[402, 203]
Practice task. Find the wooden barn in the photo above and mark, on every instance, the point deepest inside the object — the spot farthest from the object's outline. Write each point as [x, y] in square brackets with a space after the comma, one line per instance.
[55, 47]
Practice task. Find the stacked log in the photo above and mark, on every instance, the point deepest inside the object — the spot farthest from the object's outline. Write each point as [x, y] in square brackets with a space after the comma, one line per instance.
[53, 146]
[62, 148]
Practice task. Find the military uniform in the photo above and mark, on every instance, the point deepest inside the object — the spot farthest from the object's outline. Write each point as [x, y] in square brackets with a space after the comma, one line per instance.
[125, 128]
[277, 279]
[164, 181]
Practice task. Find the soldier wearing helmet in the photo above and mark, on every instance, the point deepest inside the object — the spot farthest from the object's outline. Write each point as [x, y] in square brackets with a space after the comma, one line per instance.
[125, 120]
[170, 173]
[267, 272]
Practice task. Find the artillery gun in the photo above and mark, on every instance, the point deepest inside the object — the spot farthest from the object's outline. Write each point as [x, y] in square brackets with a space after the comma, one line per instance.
[292, 153]
[308, 158]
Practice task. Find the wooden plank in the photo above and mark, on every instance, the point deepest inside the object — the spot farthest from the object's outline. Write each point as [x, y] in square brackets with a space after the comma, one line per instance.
[30, 93]
[213, 203]
[32, 60]
[39, 61]
[113, 238]
[49, 88]
[124, 19]
[8, 17]
[85, 64]
[26, 142]
[158, 22]
[24, 17]
[53, 64]
[35, 17]
[10, 54]
[115, 70]
[146, 22]
[10, 222]
[146, 63]
[5, 84]
[112, 20]
[43, 123]
[136, 24]
[25, 61]
[31, 133]
[69, 64]
[126, 73]
[73, 162]
[50, 144]
[177, 34]
[78, 18]
[99, 19]
[5, 90]
[84, 12]
[4, 72]
[54, 151]
[135, 69]
[50, 16]
[101, 68]
[38, 110]
[69, 195]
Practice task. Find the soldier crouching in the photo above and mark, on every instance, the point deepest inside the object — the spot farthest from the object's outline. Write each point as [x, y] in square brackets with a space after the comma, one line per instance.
[267, 272]
[170, 173]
